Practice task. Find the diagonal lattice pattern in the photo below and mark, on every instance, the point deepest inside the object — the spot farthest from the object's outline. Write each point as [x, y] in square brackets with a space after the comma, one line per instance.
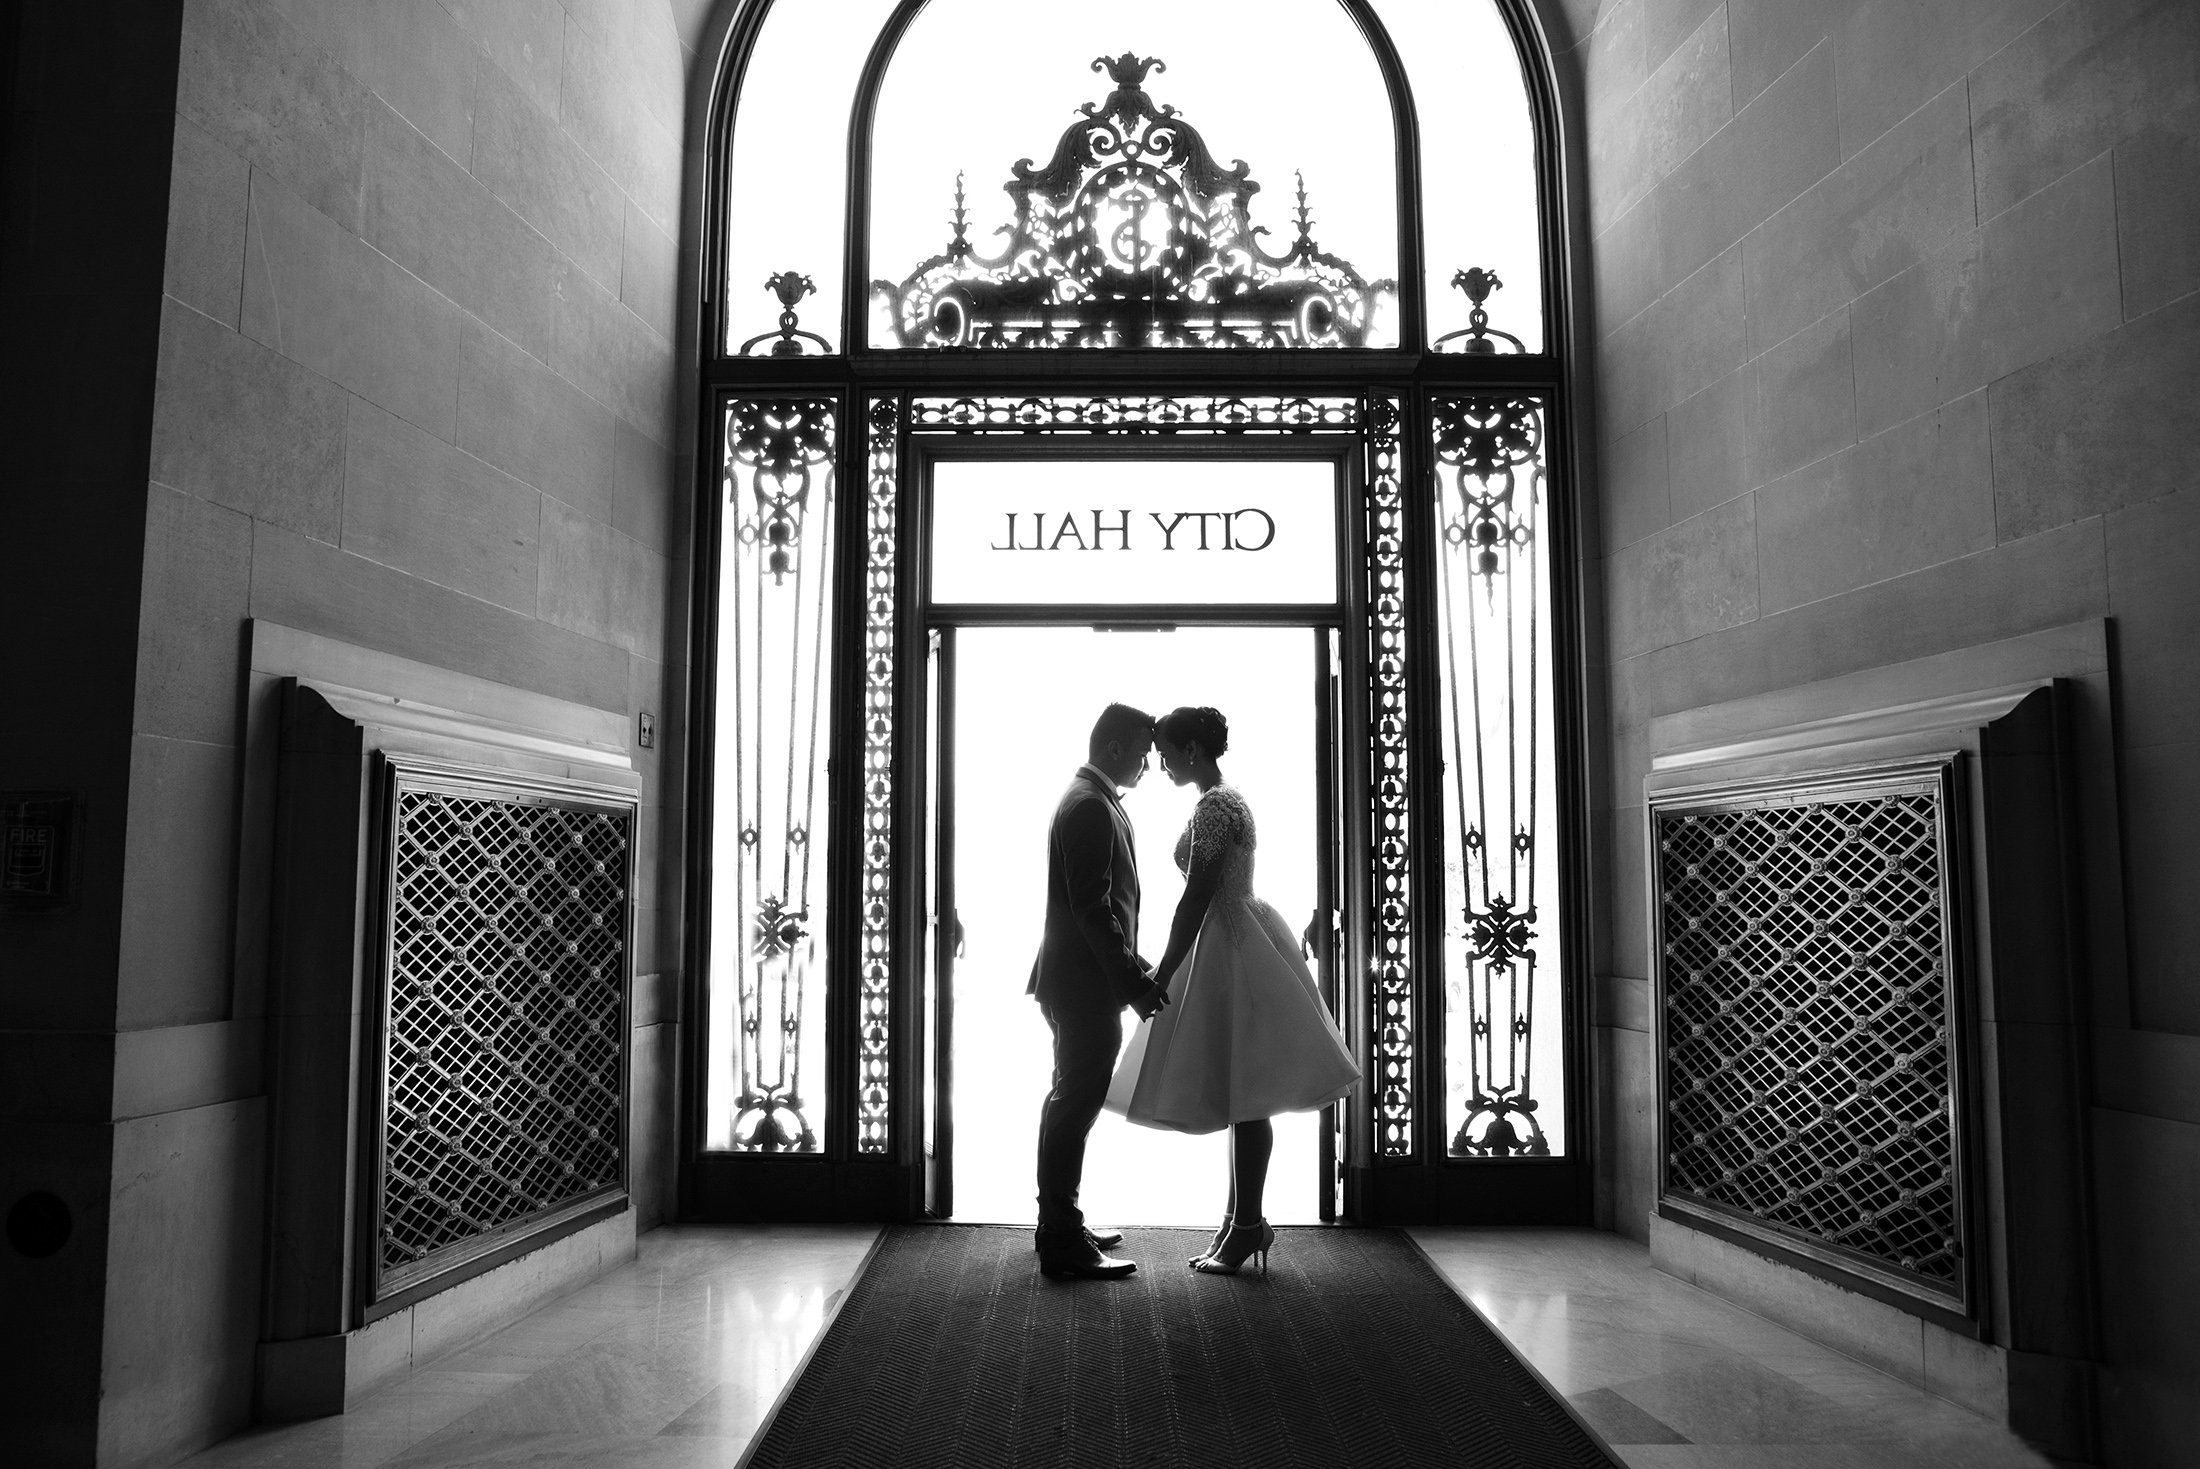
[507, 1015]
[1806, 1019]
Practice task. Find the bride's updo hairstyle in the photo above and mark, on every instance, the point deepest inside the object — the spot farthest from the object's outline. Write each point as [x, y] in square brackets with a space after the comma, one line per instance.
[1182, 726]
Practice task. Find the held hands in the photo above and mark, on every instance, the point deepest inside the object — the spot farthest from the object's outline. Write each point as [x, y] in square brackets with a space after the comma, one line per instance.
[1149, 1004]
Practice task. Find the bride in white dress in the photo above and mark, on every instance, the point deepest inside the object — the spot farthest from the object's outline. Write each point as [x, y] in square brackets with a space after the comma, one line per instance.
[1245, 1034]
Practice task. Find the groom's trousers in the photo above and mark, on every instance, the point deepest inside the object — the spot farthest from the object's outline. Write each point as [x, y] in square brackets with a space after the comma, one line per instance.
[1085, 1042]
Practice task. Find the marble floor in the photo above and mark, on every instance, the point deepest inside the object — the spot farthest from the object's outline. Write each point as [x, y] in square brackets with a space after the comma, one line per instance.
[1672, 1377]
[668, 1363]
[671, 1363]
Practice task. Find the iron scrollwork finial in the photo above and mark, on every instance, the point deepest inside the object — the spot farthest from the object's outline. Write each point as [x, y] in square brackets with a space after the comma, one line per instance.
[790, 286]
[1478, 284]
[1128, 72]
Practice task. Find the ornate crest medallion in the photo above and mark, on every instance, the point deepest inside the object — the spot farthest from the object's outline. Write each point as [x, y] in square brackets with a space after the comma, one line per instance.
[1133, 235]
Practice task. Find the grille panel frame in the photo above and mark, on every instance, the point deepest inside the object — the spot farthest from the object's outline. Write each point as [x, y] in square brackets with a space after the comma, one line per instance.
[501, 1045]
[1812, 1028]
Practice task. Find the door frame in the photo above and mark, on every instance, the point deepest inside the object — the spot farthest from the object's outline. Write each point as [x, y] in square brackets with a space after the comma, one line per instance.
[921, 454]
[936, 984]
[936, 1085]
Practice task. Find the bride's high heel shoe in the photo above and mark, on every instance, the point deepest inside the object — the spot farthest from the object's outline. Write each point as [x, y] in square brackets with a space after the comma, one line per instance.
[1213, 1244]
[1242, 1243]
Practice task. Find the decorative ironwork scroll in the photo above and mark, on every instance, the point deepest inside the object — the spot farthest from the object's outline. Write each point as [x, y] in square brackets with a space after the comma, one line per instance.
[506, 1026]
[1805, 1006]
[1192, 413]
[1494, 629]
[1133, 235]
[1391, 988]
[1377, 420]
[1180, 414]
[881, 530]
[769, 865]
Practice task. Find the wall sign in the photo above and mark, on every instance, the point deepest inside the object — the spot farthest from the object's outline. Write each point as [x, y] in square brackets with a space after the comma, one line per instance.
[1137, 531]
[37, 832]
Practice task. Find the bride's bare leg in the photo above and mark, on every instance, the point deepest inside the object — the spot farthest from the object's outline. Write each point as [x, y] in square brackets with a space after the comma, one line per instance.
[1251, 1145]
[1246, 1234]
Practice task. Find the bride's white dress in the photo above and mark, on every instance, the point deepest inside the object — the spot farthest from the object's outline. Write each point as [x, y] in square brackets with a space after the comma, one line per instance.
[1245, 1034]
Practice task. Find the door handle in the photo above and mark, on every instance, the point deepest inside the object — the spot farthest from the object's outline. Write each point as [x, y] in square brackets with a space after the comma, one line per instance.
[958, 930]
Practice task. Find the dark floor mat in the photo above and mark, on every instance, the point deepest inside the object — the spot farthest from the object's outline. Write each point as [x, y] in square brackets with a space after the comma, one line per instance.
[952, 1349]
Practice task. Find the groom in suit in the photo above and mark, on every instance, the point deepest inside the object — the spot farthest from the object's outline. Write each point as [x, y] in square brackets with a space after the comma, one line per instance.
[1088, 969]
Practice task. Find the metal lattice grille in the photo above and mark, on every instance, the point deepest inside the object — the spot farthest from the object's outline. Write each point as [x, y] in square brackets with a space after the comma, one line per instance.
[1806, 1016]
[507, 1015]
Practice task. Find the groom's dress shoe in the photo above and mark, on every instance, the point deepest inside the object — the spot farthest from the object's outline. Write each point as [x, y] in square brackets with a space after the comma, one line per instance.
[1099, 1239]
[1084, 1264]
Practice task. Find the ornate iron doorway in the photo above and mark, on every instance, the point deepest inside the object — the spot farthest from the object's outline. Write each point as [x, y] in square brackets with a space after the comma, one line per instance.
[1135, 307]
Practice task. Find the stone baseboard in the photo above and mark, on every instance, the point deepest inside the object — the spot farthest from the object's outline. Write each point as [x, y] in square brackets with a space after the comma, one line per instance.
[1946, 1363]
[318, 1376]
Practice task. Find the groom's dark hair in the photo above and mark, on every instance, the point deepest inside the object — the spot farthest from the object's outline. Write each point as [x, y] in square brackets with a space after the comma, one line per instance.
[1118, 722]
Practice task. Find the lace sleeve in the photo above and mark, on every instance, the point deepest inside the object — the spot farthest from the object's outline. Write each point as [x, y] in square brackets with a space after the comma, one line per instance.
[1209, 852]
[1218, 824]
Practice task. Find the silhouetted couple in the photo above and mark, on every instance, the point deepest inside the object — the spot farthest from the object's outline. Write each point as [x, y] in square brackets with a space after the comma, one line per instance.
[1232, 1027]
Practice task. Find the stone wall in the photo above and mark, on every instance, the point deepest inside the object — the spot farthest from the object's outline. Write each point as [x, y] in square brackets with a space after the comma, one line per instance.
[1895, 351]
[89, 98]
[415, 390]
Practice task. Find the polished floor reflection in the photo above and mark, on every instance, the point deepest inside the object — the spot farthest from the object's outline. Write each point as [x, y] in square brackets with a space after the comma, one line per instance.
[668, 1363]
[1675, 1378]
[672, 1362]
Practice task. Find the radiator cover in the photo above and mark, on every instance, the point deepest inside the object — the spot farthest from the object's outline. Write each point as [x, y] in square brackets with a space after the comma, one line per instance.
[1809, 1019]
[507, 931]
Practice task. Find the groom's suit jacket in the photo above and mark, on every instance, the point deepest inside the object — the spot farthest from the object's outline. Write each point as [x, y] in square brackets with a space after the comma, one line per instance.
[1089, 957]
